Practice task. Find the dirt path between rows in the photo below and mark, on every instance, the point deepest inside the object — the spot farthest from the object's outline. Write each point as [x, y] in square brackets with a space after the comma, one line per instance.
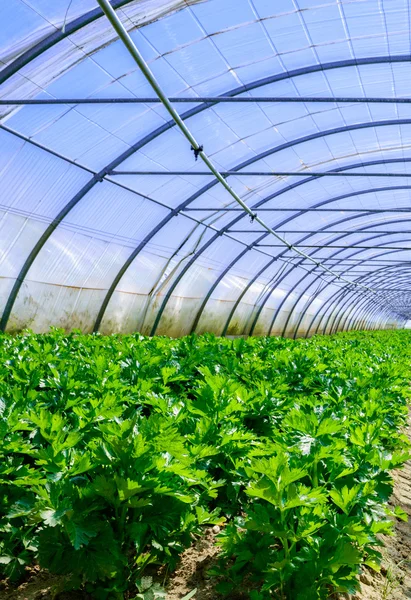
[393, 583]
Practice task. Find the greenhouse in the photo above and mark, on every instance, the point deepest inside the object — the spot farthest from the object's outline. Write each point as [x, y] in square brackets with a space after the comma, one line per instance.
[205, 299]
[111, 224]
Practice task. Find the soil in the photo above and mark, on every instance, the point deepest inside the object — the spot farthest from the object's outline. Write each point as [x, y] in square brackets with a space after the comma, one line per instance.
[392, 583]
[192, 570]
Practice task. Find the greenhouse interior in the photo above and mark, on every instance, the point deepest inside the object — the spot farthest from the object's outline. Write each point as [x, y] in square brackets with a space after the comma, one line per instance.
[112, 223]
[205, 299]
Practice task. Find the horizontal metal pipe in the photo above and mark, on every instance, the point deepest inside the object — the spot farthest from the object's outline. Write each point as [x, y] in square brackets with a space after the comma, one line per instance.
[201, 99]
[370, 258]
[263, 173]
[318, 231]
[306, 209]
[347, 247]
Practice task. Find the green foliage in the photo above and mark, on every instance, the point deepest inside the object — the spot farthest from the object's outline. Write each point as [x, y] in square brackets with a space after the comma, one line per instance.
[116, 451]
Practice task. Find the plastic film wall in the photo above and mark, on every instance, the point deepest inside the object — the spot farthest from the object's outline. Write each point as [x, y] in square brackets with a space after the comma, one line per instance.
[107, 221]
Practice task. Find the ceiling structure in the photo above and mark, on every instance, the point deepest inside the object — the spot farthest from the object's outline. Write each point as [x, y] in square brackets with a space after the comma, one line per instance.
[108, 221]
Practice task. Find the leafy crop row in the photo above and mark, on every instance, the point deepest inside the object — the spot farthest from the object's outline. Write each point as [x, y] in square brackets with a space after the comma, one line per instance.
[115, 452]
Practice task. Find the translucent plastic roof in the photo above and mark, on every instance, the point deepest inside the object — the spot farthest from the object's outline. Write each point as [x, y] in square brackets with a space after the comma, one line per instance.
[109, 223]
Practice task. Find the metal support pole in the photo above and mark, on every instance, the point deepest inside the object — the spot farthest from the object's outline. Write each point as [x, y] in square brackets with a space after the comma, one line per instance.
[203, 99]
[305, 173]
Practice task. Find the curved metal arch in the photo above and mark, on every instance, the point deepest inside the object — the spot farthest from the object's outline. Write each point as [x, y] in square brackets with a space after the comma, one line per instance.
[362, 230]
[340, 312]
[334, 311]
[141, 143]
[84, 20]
[278, 273]
[335, 301]
[370, 315]
[273, 282]
[222, 275]
[349, 315]
[297, 264]
[369, 320]
[340, 295]
[192, 198]
[337, 312]
[243, 292]
[372, 321]
[98, 177]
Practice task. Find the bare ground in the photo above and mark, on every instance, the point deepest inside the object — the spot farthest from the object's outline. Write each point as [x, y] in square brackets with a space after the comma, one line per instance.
[394, 581]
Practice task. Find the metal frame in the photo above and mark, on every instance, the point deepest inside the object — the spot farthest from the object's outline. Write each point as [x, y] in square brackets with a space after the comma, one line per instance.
[299, 264]
[336, 311]
[336, 319]
[195, 146]
[289, 219]
[330, 299]
[184, 205]
[96, 178]
[340, 296]
[298, 282]
[357, 311]
[105, 171]
[204, 247]
[342, 313]
[297, 326]
[82, 21]
[364, 260]
[97, 175]
[252, 281]
[368, 314]
[337, 316]
[249, 284]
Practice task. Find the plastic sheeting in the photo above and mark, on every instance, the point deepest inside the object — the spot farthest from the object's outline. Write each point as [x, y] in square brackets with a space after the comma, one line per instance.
[84, 247]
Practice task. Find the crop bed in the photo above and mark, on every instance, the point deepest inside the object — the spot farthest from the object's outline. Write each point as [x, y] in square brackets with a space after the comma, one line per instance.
[117, 452]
